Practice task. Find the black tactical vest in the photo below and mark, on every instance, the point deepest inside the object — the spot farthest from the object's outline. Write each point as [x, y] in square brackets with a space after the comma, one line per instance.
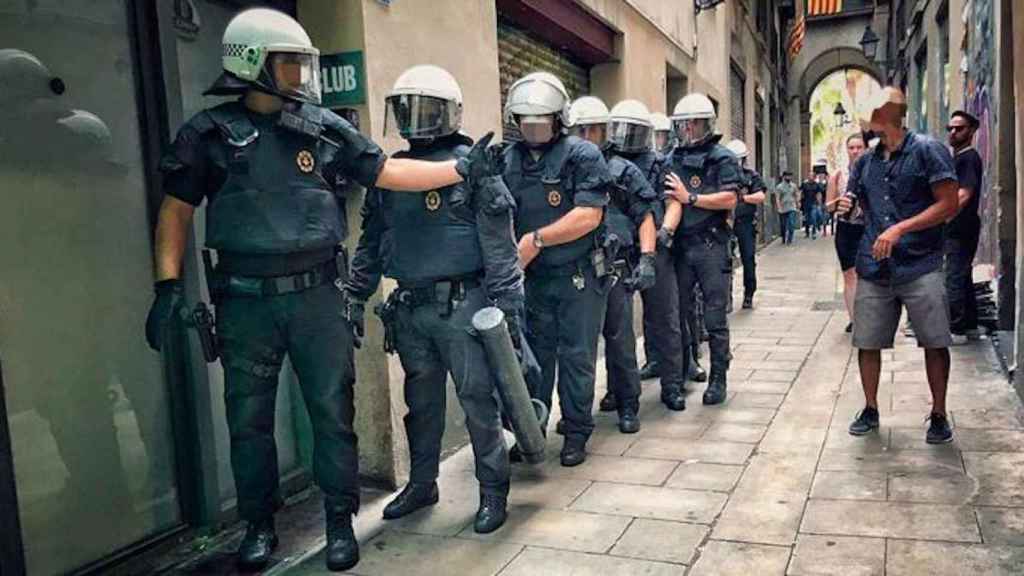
[432, 239]
[275, 199]
[652, 165]
[616, 218]
[745, 211]
[543, 193]
[695, 167]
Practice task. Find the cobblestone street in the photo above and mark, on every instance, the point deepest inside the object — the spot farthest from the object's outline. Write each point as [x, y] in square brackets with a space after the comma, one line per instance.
[769, 483]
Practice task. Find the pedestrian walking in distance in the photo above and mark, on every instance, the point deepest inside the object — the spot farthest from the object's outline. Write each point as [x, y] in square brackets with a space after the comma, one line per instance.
[849, 227]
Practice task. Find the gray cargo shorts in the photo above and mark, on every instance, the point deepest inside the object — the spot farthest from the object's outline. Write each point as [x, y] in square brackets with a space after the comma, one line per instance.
[877, 309]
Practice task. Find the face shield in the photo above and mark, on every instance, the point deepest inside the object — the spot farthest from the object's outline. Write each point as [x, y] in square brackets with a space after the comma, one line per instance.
[628, 137]
[415, 116]
[295, 75]
[692, 132]
[536, 130]
[594, 133]
[662, 139]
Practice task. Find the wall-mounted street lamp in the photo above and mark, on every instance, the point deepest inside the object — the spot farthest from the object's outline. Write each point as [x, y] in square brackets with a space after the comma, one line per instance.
[869, 43]
[840, 115]
[702, 5]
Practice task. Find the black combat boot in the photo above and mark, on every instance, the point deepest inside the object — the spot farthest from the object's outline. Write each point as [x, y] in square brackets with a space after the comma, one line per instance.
[715, 392]
[491, 514]
[342, 550]
[629, 418]
[609, 403]
[257, 546]
[414, 496]
[748, 302]
[673, 397]
[574, 451]
[649, 370]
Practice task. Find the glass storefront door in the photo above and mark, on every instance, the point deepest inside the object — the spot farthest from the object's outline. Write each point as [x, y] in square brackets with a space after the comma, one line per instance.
[87, 407]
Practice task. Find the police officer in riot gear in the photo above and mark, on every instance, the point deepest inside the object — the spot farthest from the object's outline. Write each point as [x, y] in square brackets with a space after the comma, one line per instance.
[268, 164]
[450, 260]
[702, 182]
[561, 185]
[744, 224]
[630, 217]
[664, 138]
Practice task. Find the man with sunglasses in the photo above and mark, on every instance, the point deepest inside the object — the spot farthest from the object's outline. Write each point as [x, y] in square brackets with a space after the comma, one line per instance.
[271, 166]
[962, 232]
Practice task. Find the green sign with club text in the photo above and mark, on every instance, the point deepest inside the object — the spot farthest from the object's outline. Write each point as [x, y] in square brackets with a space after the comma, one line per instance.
[342, 79]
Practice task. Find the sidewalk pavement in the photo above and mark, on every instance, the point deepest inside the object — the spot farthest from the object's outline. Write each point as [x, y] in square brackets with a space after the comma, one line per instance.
[768, 483]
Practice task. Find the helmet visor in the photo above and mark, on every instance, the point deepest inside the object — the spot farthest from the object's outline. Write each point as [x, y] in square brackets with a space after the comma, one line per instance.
[536, 130]
[416, 116]
[693, 131]
[629, 137]
[295, 75]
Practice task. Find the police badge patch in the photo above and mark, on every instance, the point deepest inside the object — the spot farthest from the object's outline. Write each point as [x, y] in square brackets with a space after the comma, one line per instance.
[695, 181]
[305, 161]
[555, 198]
[433, 200]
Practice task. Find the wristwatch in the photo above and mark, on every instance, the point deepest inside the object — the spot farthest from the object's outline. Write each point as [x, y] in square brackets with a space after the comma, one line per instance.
[538, 242]
[692, 200]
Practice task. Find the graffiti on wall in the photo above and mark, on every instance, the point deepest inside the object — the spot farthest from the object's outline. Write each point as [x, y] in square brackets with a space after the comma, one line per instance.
[979, 74]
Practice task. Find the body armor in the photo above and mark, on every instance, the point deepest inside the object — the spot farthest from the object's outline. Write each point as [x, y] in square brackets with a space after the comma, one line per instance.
[751, 184]
[543, 195]
[616, 218]
[698, 168]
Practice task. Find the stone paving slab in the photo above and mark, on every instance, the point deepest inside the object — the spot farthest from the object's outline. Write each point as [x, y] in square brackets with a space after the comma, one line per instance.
[850, 485]
[661, 540]
[741, 559]
[562, 529]
[948, 559]
[716, 452]
[890, 520]
[704, 476]
[392, 553]
[536, 561]
[837, 556]
[694, 506]
[761, 517]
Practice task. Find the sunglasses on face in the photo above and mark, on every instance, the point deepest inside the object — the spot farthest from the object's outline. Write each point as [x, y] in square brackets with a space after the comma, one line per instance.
[952, 128]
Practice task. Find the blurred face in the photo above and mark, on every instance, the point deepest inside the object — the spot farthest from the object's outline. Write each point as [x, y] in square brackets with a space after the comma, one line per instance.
[691, 132]
[296, 75]
[661, 139]
[594, 133]
[537, 130]
[960, 132]
[854, 148]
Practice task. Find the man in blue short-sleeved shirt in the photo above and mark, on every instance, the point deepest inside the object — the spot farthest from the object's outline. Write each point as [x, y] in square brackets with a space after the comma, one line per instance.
[907, 187]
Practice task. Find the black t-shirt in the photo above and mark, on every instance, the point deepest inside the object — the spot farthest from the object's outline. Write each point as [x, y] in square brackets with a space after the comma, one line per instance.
[969, 172]
[809, 191]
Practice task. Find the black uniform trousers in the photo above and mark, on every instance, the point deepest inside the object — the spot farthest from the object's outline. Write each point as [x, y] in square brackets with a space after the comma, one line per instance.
[663, 322]
[431, 344]
[703, 259]
[959, 267]
[255, 333]
[620, 346]
[563, 327]
[746, 237]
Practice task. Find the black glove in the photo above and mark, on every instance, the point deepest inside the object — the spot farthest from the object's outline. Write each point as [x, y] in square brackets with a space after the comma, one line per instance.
[170, 297]
[665, 238]
[355, 312]
[644, 275]
[478, 163]
[514, 320]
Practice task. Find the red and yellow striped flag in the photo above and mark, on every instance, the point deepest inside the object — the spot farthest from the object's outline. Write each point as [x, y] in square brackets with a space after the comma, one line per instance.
[796, 37]
[824, 7]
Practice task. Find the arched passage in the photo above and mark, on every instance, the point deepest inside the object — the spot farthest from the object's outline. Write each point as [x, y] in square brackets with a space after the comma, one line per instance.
[829, 61]
[852, 88]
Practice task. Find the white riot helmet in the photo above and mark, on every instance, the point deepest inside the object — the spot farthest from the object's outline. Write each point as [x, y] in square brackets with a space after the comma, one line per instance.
[629, 127]
[588, 119]
[663, 137]
[738, 148]
[425, 103]
[693, 119]
[534, 102]
[270, 50]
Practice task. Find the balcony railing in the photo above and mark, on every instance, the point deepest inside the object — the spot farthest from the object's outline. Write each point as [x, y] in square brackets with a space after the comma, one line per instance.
[837, 8]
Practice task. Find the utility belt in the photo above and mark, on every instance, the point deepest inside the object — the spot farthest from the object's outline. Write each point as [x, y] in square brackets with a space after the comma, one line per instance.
[713, 233]
[255, 287]
[446, 291]
[597, 260]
